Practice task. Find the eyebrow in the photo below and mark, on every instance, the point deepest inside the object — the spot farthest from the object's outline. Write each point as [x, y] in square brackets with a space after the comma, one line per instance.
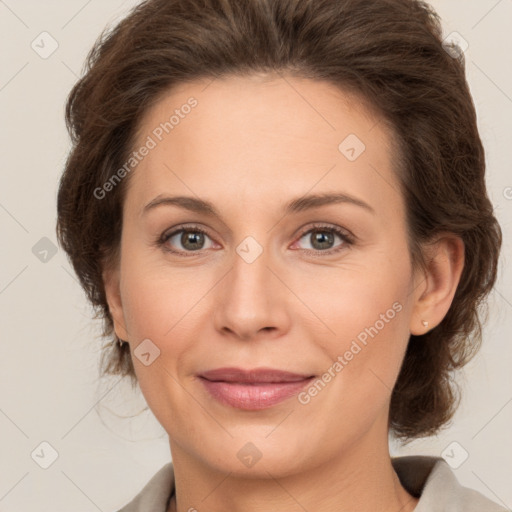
[297, 205]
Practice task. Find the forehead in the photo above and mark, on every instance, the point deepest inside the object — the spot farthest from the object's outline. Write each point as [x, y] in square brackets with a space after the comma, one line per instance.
[261, 134]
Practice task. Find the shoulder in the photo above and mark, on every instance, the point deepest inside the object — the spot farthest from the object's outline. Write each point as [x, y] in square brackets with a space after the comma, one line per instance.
[434, 482]
[155, 494]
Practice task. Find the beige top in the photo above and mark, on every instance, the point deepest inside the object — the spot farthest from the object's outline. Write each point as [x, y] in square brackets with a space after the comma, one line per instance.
[429, 478]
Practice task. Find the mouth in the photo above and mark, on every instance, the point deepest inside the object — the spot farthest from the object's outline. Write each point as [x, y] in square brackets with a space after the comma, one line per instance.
[253, 389]
[255, 375]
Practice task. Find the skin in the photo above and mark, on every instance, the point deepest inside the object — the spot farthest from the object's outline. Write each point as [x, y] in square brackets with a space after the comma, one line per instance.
[251, 145]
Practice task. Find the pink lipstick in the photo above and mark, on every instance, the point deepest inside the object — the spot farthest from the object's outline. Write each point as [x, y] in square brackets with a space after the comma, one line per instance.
[253, 389]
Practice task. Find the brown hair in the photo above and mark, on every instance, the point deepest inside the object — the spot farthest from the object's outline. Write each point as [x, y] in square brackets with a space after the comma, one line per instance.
[390, 53]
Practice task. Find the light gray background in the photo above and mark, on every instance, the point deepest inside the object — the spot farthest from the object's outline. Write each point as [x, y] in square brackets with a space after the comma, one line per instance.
[49, 342]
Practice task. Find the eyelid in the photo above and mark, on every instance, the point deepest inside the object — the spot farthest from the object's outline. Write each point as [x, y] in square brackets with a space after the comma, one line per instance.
[328, 227]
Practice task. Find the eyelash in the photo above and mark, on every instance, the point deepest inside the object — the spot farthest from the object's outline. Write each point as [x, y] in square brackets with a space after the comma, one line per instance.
[345, 237]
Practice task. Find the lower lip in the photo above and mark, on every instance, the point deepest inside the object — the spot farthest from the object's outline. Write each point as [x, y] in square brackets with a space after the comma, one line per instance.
[253, 396]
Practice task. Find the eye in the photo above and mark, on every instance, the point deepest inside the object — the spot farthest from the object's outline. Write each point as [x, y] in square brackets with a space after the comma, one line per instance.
[192, 240]
[321, 238]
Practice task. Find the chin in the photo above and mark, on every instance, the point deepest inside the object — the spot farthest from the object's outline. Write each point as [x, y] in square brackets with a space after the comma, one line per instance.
[253, 455]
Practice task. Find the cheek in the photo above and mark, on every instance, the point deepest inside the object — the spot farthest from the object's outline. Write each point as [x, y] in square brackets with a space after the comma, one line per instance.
[367, 310]
[158, 304]
[156, 297]
[168, 306]
[363, 301]
[364, 362]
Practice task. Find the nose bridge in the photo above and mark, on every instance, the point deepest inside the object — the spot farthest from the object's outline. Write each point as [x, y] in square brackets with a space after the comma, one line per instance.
[250, 277]
[250, 296]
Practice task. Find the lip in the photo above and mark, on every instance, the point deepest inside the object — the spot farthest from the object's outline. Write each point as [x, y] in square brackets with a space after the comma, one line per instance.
[254, 375]
[252, 389]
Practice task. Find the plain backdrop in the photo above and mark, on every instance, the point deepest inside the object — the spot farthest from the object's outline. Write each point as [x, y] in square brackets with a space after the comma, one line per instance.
[49, 388]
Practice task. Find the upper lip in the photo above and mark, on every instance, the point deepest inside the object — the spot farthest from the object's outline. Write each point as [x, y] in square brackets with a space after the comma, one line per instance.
[232, 374]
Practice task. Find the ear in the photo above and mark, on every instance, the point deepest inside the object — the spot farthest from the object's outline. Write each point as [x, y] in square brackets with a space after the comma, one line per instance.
[436, 286]
[111, 283]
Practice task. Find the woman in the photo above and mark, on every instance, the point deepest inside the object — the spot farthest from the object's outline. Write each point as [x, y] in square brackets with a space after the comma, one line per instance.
[279, 209]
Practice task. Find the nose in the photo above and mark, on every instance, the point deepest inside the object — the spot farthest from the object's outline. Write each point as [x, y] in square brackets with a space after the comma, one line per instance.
[251, 300]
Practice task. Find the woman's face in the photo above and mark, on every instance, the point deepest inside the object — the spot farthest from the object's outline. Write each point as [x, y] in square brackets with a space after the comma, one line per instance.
[268, 284]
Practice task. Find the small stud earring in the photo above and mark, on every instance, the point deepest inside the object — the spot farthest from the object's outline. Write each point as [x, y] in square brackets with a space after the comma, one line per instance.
[425, 323]
[120, 342]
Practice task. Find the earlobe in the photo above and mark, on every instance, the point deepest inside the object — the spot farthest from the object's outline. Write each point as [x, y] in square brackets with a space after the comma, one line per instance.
[445, 262]
[111, 281]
